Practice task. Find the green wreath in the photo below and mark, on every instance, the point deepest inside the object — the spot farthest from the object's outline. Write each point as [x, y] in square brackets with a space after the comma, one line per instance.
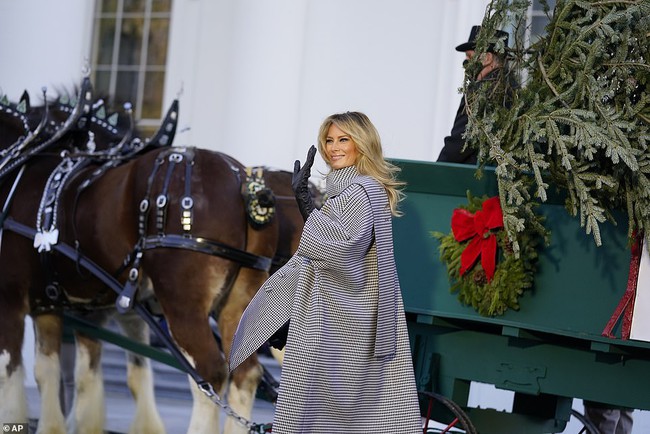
[490, 292]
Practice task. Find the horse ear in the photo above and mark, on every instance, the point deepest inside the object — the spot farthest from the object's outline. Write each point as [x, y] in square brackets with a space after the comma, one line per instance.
[165, 134]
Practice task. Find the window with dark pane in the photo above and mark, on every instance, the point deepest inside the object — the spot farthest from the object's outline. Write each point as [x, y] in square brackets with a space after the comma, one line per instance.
[131, 36]
[130, 55]
[152, 104]
[135, 6]
[538, 17]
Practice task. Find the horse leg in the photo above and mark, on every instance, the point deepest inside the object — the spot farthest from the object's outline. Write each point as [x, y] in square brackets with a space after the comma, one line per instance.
[205, 413]
[88, 412]
[13, 401]
[47, 372]
[187, 294]
[245, 379]
[278, 355]
[140, 378]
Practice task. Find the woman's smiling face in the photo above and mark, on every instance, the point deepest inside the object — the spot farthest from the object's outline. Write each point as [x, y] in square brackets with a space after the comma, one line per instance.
[341, 150]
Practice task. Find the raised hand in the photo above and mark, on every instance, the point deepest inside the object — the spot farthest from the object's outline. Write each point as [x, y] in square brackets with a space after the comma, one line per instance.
[300, 183]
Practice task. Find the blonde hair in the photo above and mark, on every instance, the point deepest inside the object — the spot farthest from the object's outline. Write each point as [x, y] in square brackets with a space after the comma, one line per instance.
[370, 160]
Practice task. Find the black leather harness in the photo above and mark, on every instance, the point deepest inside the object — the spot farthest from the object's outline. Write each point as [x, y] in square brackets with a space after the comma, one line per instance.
[173, 158]
[45, 235]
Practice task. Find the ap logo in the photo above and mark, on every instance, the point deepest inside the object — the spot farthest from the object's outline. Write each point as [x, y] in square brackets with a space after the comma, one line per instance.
[14, 427]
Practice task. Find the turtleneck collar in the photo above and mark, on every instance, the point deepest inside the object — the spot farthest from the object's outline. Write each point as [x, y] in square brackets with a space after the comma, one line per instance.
[338, 180]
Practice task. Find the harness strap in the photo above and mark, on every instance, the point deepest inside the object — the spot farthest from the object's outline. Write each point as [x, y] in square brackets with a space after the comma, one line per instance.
[127, 296]
[210, 247]
[162, 199]
[112, 158]
[46, 220]
[145, 204]
[10, 198]
[187, 203]
[55, 297]
[111, 282]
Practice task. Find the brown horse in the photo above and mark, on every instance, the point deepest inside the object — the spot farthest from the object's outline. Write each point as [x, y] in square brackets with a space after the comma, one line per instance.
[25, 285]
[194, 206]
[190, 285]
[14, 129]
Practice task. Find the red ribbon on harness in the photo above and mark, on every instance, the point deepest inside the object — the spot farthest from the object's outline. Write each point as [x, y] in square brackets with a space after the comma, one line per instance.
[478, 227]
[626, 305]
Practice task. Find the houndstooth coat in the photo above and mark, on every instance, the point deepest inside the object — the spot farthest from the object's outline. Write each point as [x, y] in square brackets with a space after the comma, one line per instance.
[347, 365]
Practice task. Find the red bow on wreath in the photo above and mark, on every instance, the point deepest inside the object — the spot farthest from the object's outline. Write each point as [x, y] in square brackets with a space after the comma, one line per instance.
[478, 226]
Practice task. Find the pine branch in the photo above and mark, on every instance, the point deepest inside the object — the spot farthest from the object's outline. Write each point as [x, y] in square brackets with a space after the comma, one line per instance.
[580, 123]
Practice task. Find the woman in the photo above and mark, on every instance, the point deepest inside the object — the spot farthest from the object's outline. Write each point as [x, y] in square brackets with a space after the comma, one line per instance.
[347, 364]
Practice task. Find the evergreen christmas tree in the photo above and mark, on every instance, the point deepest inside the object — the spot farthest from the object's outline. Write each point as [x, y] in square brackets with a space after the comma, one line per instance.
[579, 120]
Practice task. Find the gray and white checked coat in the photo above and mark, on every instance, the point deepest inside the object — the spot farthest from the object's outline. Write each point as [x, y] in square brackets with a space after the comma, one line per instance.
[347, 365]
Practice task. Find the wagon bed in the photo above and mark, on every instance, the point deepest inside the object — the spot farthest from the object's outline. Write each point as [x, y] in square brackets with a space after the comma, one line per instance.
[549, 351]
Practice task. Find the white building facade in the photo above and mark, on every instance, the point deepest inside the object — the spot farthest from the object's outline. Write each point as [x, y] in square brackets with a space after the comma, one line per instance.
[255, 78]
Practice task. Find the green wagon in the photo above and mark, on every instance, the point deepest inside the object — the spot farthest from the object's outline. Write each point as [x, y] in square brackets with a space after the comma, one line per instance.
[549, 351]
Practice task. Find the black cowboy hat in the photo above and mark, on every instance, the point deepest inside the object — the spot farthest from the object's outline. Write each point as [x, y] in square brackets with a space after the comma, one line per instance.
[473, 34]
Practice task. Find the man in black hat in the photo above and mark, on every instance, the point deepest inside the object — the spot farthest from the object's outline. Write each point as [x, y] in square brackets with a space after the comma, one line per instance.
[491, 63]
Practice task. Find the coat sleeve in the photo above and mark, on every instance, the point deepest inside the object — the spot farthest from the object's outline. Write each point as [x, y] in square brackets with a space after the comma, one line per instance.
[269, 309]
[454, 150]
[340, 233]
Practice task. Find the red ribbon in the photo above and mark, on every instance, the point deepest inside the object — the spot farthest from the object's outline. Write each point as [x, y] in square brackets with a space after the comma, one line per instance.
[478, 227]
[625, 306]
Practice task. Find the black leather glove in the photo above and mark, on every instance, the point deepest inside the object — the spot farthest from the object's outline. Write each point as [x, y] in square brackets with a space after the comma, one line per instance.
[300, 184]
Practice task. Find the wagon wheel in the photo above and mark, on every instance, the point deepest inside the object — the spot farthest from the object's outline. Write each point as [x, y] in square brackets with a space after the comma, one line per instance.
[588, 426]
[459, 418]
